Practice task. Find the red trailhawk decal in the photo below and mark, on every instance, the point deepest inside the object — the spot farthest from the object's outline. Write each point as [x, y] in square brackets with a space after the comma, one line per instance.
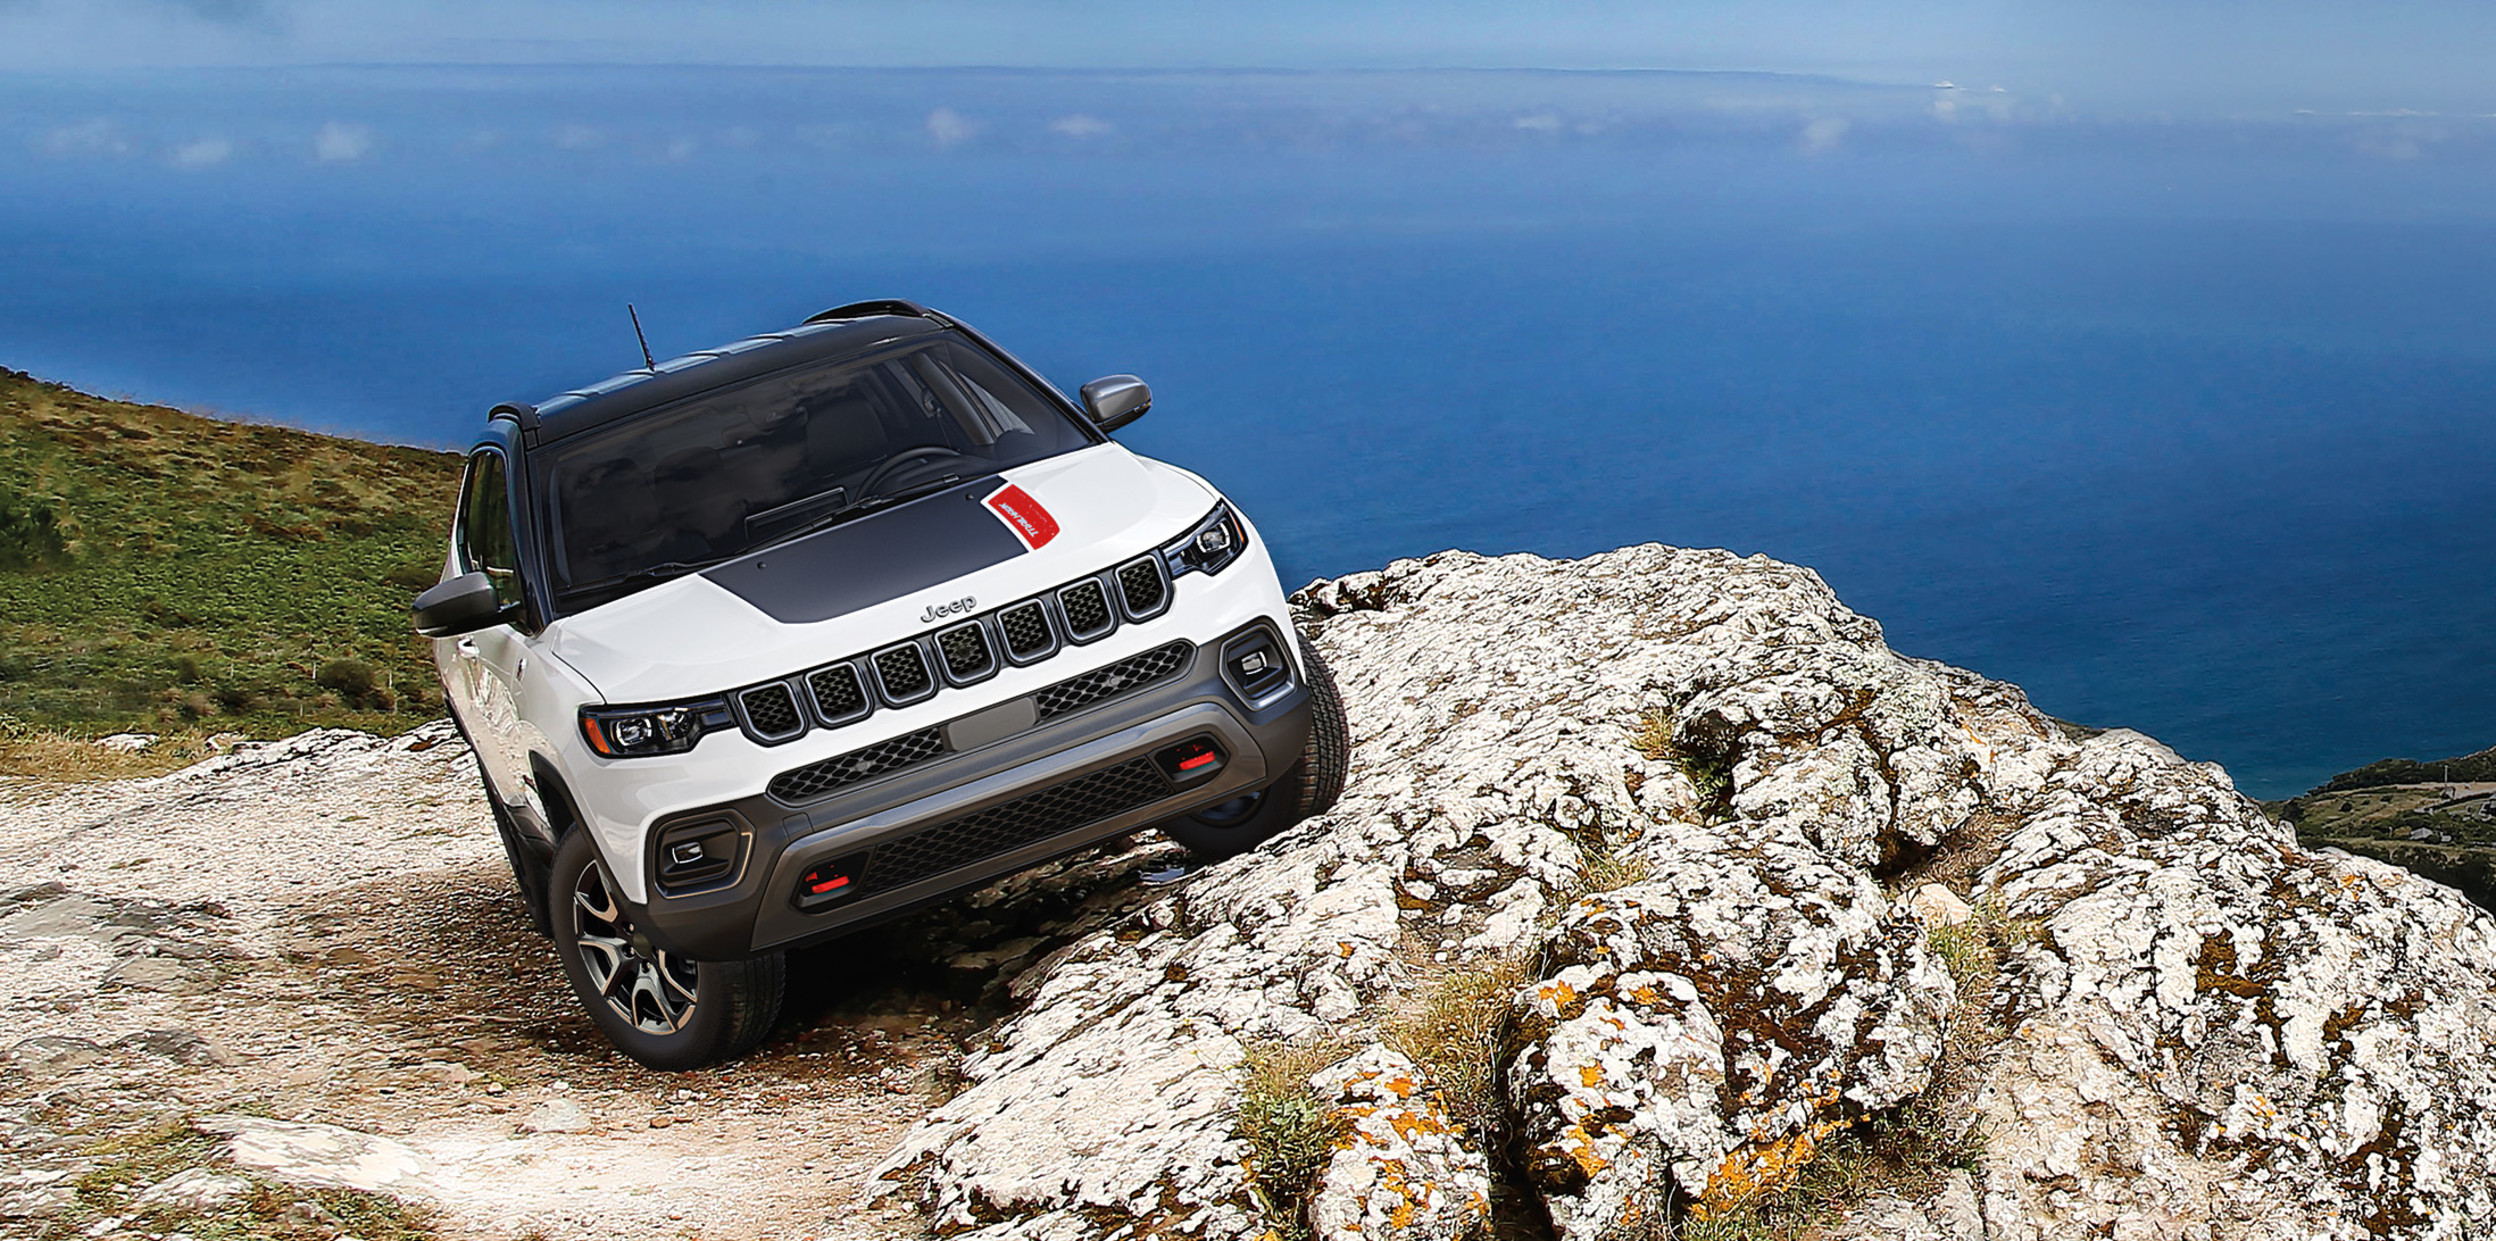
[1022, 515]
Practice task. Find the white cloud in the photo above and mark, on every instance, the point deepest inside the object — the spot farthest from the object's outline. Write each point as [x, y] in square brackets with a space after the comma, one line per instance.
[1824, 134]
[95, 137]
[679, 151]
[1540, 122]
[339, 143]
[1080, 125]
[949, 127]
[579, 138]
[741, 136]
[204, 153]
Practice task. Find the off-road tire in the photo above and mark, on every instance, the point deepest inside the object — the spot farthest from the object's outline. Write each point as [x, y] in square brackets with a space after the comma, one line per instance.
[728, 1008]
[1308, 787]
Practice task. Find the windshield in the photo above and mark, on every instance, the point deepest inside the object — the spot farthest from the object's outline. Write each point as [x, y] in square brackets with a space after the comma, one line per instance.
[734, 470]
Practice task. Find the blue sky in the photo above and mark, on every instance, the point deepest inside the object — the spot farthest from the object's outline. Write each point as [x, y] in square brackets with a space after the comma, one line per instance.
[2129, 57]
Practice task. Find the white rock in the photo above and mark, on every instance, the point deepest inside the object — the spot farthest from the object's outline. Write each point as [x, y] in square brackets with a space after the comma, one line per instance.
[126, 743]
[324, 1156]
[556, 1116]
[1935, 905]
[1403, 1173]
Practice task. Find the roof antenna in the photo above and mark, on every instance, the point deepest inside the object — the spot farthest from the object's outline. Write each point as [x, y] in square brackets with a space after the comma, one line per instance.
[646, 359]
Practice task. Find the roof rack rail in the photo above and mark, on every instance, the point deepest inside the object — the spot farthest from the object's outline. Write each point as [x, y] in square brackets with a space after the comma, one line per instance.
[879, 306]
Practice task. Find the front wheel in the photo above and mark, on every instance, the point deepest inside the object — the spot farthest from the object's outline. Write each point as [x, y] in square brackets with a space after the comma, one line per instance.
[662, 1010]
[1308, 787]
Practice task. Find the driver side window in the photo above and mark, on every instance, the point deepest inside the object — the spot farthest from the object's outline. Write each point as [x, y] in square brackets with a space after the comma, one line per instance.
[485, 542]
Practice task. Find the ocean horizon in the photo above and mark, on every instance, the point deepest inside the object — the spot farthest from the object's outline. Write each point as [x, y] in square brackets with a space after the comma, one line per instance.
[2182, 425]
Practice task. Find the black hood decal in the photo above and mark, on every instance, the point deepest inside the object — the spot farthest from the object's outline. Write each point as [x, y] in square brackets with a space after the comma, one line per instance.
[874, 559]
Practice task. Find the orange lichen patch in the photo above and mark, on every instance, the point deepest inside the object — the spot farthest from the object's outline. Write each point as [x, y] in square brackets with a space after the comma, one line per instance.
[1408, 1124]
[1590, 1074]
[1557, 993]
[1579, 1146]
[1752, 1171]
[1344, 947]
[1402, 1085]
[1645, 993]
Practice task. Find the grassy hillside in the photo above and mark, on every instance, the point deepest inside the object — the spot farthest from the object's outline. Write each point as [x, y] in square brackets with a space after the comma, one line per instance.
[2446, 832]
[167, 572]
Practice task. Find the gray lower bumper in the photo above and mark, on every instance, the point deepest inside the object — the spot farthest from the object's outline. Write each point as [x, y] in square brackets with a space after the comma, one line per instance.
[989, 787]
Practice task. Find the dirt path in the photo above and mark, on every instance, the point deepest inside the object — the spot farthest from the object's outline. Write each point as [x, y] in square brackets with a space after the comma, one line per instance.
[323, 930]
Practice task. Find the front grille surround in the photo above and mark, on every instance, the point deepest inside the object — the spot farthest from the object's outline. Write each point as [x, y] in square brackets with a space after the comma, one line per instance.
[903, 674]
[1143, 587]
[770, 713]
[840, 694]
[1026, 633]
[967, 652]
[1089, 614]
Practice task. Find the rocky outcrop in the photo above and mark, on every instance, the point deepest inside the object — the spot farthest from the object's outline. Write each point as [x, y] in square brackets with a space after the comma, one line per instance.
[1689, 799]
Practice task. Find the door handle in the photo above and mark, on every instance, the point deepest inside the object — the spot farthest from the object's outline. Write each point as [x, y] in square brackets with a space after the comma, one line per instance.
[467, 647]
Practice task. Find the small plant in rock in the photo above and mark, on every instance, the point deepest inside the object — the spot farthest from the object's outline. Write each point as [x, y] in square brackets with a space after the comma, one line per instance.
[1290, 1131]
[1653, 738]
[1454, 1025]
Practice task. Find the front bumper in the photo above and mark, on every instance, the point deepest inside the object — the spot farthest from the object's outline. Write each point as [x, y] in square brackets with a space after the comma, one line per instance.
[918, 835]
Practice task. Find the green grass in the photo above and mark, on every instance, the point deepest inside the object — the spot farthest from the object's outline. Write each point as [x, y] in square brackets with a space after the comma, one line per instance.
[129, 1162]
[162, 571]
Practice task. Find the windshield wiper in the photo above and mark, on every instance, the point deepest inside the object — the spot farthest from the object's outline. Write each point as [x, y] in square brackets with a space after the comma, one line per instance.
[655, 573]
[860, 507]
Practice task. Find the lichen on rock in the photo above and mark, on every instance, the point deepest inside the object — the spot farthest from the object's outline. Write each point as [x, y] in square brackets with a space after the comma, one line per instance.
[1698, 791]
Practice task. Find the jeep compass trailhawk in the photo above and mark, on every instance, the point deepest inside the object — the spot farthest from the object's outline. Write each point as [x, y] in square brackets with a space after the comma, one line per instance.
[772, 641]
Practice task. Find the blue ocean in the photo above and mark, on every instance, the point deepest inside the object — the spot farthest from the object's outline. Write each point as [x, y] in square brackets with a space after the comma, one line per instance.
[2186, 425]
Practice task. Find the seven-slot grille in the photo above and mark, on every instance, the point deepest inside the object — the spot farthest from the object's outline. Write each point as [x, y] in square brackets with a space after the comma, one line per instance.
[1142, 587]
[965, 649]
[1132, 673]
[1026, 629]
[1087, 610]
[1028, 819]
[1114, 679]
[817, 779]
[838, 693]
[1024, 632]
[903, 670]
[772, 711]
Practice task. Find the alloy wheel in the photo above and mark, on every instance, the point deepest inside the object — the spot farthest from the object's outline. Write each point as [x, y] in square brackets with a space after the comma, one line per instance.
[647, 986]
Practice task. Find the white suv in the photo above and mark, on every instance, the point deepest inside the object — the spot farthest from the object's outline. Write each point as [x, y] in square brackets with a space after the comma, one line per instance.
[772, 641]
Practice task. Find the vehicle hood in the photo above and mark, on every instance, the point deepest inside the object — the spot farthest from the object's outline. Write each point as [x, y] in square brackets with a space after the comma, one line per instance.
[877, 580]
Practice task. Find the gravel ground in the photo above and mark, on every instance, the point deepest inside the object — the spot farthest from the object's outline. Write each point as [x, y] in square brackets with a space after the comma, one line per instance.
[323, 929]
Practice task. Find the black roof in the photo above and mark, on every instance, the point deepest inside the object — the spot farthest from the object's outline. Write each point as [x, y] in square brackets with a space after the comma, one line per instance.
[836, 333]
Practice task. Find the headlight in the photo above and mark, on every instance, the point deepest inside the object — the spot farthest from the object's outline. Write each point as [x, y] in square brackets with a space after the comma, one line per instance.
[638, 732]
[1211, 546]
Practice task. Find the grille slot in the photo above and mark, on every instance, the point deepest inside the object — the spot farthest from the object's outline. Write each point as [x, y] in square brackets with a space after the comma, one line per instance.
[816, 779]
[772, 710]
[1087, 611]
[1025, 627]
[1028, 819]
[966, 653]
[1143, 588]
[839, 695]
[1133, 672]
[904, 673]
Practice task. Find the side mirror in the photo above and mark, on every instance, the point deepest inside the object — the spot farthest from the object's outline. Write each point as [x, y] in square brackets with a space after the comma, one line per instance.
[1116, 400]
[463, 604]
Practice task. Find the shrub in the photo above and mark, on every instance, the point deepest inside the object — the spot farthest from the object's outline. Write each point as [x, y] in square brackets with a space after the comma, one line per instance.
[1290, 1131]
[30, 536]
[351, 679]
